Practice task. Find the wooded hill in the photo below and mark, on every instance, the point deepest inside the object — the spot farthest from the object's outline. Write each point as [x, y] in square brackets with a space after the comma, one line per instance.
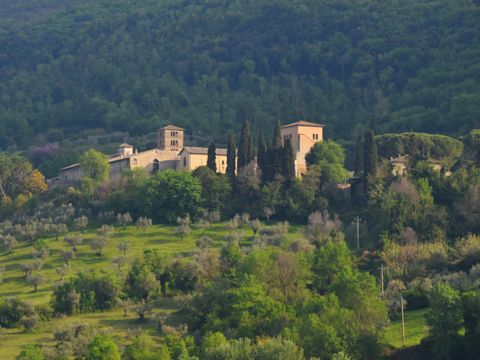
[209, 65]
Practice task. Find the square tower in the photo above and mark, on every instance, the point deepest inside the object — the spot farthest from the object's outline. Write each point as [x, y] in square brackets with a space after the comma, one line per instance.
[303, 135]
[170, 138]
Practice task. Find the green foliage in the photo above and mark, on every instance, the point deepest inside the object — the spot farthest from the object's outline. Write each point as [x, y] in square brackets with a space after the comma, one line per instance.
[370, 156]
[420, 146]
[262, 153]
[231, 157]
[171, 194]
[245, 148]
[102, 348]
[143, 347]
[87, 292]
[95, 170]
[31, 353]
[417, 75]
[216, 188]
[12, 310]
[244, 349]
[329, 157]
[212, 157]
[141, 282]
[18, 180]
[445, 320]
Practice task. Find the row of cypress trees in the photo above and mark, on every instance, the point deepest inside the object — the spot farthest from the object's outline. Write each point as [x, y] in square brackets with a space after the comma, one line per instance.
[275, 160]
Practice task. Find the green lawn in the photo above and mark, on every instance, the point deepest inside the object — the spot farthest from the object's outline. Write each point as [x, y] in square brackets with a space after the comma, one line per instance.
[160, 237]
[415, 329]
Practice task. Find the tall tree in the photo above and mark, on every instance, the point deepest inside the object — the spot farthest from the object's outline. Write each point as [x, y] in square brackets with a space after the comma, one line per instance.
[370, 155]
[275, 156]
[277, 136]
[262, 153]
[245, 149]
[358, 166]
[95, 170]
[212, 157]
[288, 163]
[231, 156]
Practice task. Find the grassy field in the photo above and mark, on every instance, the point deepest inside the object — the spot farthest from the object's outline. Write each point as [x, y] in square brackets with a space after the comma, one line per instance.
[162, 238]
[415, 329]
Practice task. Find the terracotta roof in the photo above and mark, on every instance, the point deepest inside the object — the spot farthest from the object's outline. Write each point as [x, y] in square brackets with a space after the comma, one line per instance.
[303, 123]
[202, 150]
[172, 127]
[125, 145]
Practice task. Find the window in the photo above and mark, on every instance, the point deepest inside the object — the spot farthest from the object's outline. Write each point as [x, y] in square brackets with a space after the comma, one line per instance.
[184, 162]
[315, 136]
[223, 162]
[174, 133]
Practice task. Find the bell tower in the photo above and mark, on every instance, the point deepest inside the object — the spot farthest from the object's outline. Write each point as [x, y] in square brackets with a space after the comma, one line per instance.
[170, 138]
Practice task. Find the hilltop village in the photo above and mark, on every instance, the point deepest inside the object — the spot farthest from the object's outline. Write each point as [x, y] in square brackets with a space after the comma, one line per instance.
[171, 153]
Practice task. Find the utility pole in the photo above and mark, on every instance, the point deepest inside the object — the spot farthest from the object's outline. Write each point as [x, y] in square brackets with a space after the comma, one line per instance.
[357, 220]
[403, 322]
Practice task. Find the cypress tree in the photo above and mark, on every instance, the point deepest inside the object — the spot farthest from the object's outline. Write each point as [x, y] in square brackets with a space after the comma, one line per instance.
[370, 156]
[288, 163]
[262, 153]
[212, 157]
[245, 149]
[231, 156]
[358, 166]
[275, 155]
[277, 136]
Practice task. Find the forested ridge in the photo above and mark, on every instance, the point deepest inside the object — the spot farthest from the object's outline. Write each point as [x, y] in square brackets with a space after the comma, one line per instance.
[209, 65]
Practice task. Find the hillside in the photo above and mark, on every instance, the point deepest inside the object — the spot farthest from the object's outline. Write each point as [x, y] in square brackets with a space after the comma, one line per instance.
[130, 66]
[118, 324]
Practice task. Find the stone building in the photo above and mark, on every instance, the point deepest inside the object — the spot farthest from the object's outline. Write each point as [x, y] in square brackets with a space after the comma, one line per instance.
[303, 135]
[172, 154]
[169, 154]
[194, 157]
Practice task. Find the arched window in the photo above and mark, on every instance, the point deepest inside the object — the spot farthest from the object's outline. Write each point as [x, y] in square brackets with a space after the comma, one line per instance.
[156, 165]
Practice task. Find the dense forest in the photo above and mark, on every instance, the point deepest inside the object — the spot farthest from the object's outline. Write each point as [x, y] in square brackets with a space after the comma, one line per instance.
[70, 67]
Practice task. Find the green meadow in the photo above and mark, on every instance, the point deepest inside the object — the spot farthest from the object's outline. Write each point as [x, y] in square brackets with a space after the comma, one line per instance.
[162, 238]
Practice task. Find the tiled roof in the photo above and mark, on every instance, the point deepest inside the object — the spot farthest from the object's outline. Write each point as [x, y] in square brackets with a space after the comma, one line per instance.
[303, 123]
[172, 127]
[125, 145]
[202, 150]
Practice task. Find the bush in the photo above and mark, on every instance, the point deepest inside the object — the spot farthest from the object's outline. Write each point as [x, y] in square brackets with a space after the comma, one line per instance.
[468, 251]
[102, 348]
[168, 185]
[12, 311]
[88, 291]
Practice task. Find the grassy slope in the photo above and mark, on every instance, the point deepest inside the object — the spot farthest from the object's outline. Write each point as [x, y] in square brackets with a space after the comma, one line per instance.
[159, 237]
[415, 329]
[155, 237]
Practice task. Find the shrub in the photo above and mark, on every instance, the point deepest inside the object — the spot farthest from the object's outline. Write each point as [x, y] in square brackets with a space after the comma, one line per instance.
[88, 291]
[12, 311]
[468, 250]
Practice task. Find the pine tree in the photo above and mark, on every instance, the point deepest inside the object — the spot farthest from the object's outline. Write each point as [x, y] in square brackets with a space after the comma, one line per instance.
[261, 153]
[212, 157]
[231, 156]
[358, 166]
[370, 156]
[245, 149]
[288, 163]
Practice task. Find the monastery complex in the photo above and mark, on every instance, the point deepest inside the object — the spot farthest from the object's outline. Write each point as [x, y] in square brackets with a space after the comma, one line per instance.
[171, 153]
